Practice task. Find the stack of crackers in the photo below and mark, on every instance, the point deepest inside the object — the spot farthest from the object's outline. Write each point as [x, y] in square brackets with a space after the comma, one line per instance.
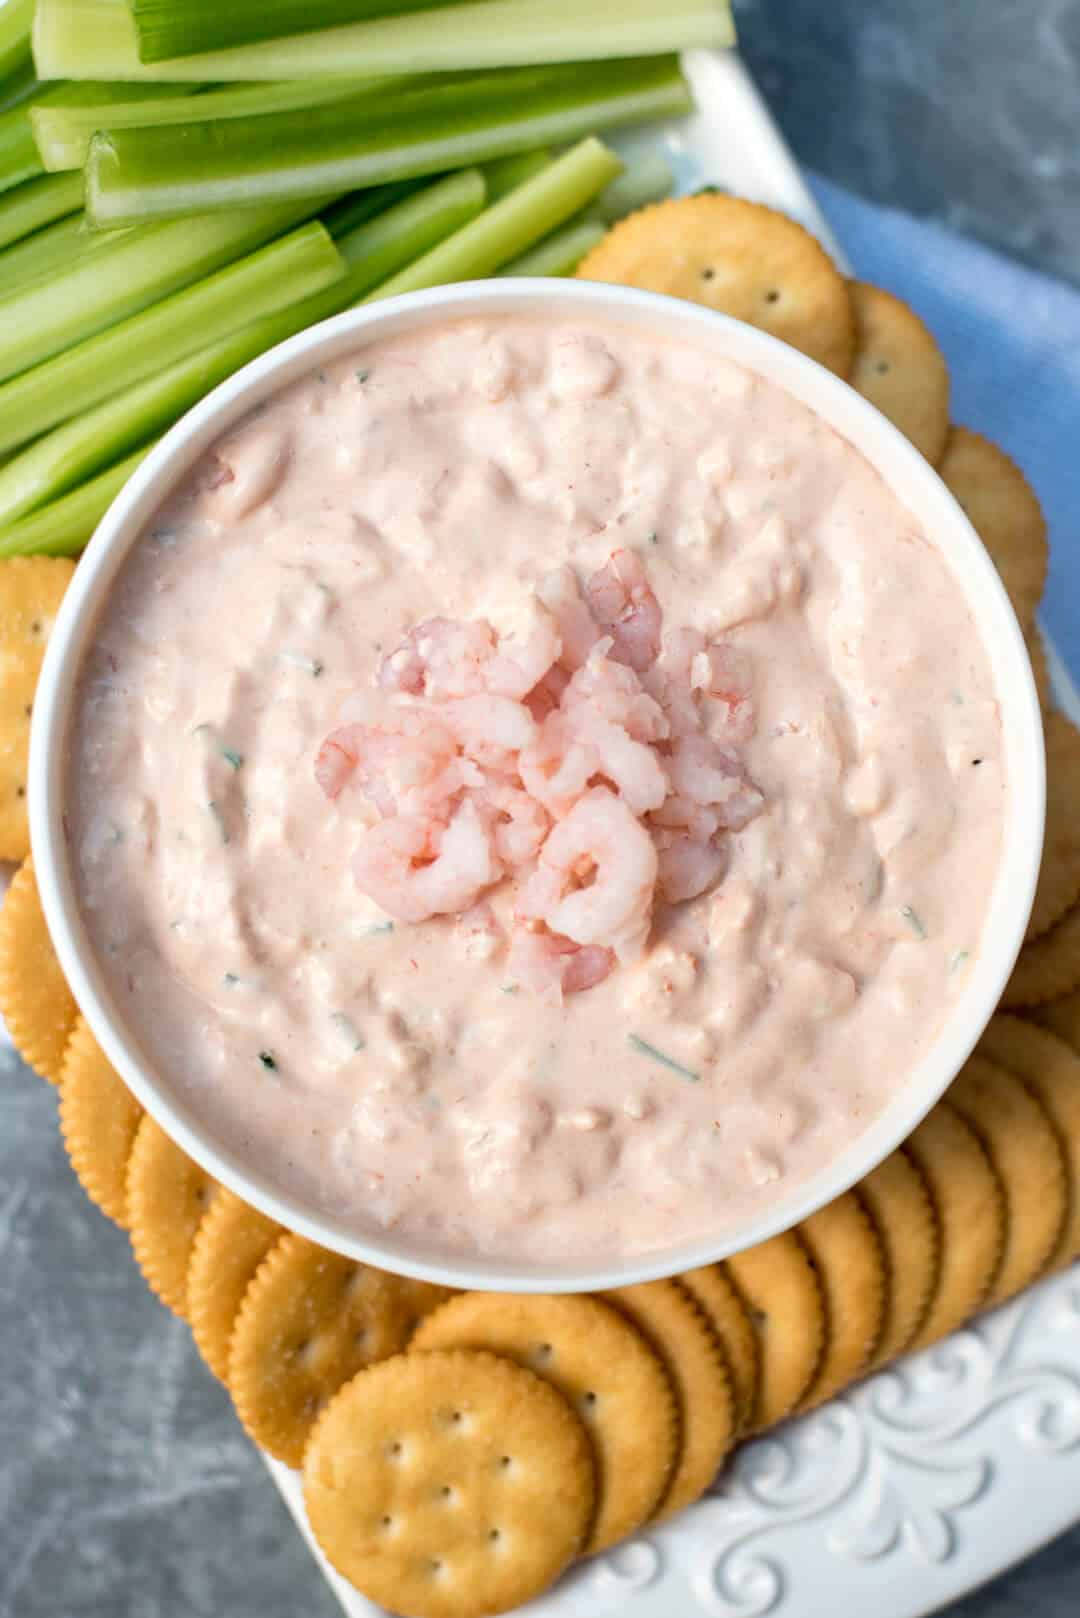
[459, 1451]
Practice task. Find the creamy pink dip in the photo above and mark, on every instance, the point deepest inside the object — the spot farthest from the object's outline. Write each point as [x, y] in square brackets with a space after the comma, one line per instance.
[400, 1074]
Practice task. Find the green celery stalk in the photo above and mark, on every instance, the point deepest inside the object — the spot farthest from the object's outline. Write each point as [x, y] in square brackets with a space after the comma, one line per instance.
[64, 527]
[505, 173]
[62, 133]
[54, 248]
[282, 272]
[97, 39]
[19, 156]
[16, 17]
[646, 179]
[19, 87]
[136, 175]
[508, 227]
[168, 28]
[36, 203]
[558, 254]
[39, 320]
[361, 206]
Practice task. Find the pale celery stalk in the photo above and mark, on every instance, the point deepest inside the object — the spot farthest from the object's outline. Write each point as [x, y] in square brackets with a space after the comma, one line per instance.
[40, 320]
[64, 527]
[560, 253]
[168, 28]
[54, 248]
[645, 179]
[135, 175]
[19, 156]
[360, 206]
[19, 87]
[505, 173]
[281, 273]
[35, 204]
[15, 19]
[508, 227]
[96, 39]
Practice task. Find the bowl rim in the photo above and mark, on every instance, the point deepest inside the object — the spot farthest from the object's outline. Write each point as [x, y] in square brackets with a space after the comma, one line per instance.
[895, 460]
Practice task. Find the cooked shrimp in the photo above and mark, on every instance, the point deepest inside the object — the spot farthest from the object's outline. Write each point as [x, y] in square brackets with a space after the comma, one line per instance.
[722, 673]
[616, 693]
[547, 693]
[687, 866]
[488, 728]
[561, 595]
[595, 877]
[522, 660]
[552, 966]
[709, 773]
[519, 824]
[415, 868]
[439, 658]
[406, 763]
[622, 602]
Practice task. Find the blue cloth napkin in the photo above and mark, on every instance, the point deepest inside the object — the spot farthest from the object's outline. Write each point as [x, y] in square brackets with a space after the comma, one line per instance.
[1012, 340]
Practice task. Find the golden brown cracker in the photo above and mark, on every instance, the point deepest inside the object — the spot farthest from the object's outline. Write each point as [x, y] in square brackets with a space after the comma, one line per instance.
[1051, 1070]
[741, 258]
[1048, 966]
[230, 1244]
[848, 1256]
[308, 1322]
[31, 589]
[606, 1370]
[168, 1194]
[1023, 1147]
[970, 1204]
[1005, 513]
[451, 1484]
[1062, 1017]
[1037, 654]
[899, 367]
[783, 1294]
[896, 1198]
[727, 1314]
[36, 1004]
[99, 1118]
[1059, 874]
[670, 1320]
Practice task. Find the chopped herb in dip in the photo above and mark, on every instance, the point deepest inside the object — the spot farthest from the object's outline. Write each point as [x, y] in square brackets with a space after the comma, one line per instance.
[268, 1061]
[914, 921]
[643, 1048]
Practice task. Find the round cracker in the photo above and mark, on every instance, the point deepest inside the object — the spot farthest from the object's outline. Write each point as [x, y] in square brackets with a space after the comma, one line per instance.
[740, 257]
[970, 1205]
[848, 1256]
[783, 1295]
[1062, 1017]
[168, 1195]
[230, 1244]
[603, 1366]
[1037, 654]
[670, 1320]
[1004, 512]
[1051, 1070]
[1059, 874]
[727, 1314]
[897, 1201]
[1023, 1147]
[1048, 966]
[899, 367]
[99, 1119]
[449, 1484]
[38, 1008]
[31, 589]
[309, 1321]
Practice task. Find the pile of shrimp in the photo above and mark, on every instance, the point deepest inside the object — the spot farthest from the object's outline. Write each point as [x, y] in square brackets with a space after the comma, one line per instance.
[591, 760]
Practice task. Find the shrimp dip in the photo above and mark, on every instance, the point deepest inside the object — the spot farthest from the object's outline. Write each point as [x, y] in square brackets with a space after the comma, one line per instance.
[534, 788]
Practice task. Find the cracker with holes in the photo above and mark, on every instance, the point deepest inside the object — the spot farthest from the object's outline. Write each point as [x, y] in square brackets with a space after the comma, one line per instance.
[740, 257]
[727, 1314]
[1059, 874]
[847, 1254]
[1004, 512]
[899, 367]
[309, 1321]
[449, 1484]
[783, 1295]
[99, 1119]
[168, 1194]
[38, 1008]
[31, 589]
[897, 1201]
[602, 1366]
[1048, 966]
[230, 1244]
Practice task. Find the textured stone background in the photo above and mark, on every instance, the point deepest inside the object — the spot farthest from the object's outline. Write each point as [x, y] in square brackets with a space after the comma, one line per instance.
[126, 1487]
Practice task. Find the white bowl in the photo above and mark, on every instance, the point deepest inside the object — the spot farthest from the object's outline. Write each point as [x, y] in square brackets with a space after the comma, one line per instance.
[902, 468]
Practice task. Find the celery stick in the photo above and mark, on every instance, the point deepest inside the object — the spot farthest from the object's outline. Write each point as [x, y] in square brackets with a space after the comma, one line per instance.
[19, 87]
[508, 227]
[64, 527]
[49, 315]
[15, 19]
[181, 27]
[62, 134]
[19, 156]
[96, 39]
[645, 179]
[361, 206]
[54, 248]
[136, 175]
[507, 172]
[36, 203]
[558, 254]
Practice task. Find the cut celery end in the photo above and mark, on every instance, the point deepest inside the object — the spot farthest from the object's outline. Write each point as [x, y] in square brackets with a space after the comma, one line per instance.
[506, 173]
[97, 39]
[361, 206]
[64, 527]
[62, 134]
[168, 28]
[19, 156]
[16, 17]
[646, 179]
[54, 248]
[508, 227]
[35, 204]
[88, 372]
[558, 254]
[40, 320]
[136, 175]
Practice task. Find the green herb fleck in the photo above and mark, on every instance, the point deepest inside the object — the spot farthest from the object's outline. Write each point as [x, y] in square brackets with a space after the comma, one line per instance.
[310, 665]
[643, 1048]
[711, 191]
[510, 988]
[164, 536]
[232, 757]
[654, 538]
[231, 980]
[956, 698]
[958, 959]
[268, 1061]
[215, 810]
[348, 1030]
[376, 929]
[362, 376]
[914, 921]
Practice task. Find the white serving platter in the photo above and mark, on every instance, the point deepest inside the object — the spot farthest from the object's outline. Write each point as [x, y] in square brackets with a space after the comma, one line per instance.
[931, 1477]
